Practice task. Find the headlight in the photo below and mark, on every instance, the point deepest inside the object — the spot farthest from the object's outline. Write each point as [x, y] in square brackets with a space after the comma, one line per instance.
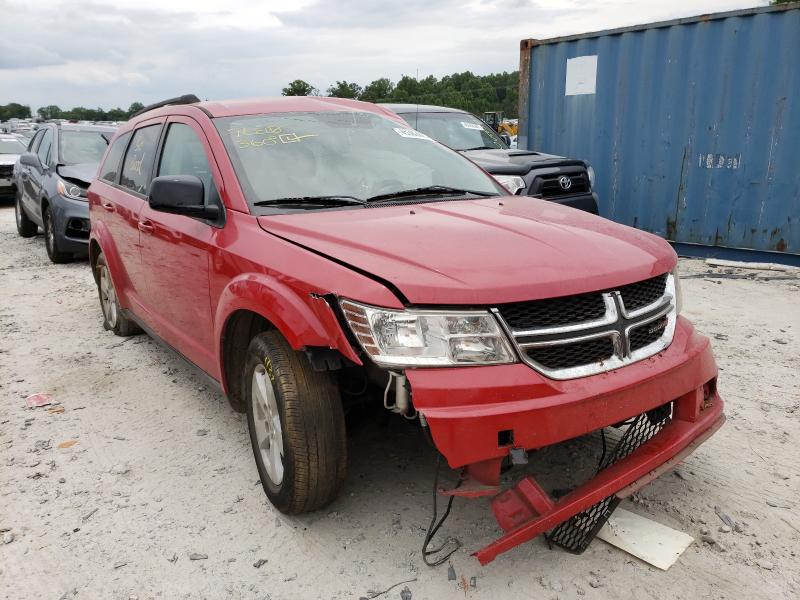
[512, 183]
[678, 292]
[70, 190]
[411, 338]
[590, 173]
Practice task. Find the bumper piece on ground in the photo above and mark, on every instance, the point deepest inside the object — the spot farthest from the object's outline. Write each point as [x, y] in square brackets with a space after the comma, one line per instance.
[526, 511]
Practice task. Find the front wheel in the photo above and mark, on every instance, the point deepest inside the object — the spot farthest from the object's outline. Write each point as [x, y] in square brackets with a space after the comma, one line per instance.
[50, 239]
[296, 425]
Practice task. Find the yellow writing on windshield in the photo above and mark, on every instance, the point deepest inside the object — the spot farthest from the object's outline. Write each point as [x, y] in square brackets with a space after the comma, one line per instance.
[265, 136]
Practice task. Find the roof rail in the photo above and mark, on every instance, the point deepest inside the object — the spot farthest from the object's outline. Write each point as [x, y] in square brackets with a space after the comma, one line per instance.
[185, 99]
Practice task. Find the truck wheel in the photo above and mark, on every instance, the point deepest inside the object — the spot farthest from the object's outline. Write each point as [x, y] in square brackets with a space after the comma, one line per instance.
[50, 240]
[296, 426]
[113, 319]
[25, 227]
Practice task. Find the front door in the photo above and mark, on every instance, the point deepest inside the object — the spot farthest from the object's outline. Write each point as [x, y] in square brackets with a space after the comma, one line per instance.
[176, 249]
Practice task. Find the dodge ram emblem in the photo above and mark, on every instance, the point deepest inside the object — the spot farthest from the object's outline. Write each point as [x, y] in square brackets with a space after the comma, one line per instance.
[565, 182]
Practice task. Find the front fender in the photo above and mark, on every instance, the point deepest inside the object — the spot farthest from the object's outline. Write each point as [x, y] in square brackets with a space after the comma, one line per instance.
[303, 320]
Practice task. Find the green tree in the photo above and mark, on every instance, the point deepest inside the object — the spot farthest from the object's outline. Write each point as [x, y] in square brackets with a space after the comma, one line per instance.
[135, 107]
[49, 112]
[343, 89]
[299, 88]
[14, 110]
[116, 114]
[379, 90]
[774, 2]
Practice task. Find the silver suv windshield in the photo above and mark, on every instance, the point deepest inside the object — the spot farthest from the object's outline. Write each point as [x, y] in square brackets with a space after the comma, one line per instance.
[341, 155]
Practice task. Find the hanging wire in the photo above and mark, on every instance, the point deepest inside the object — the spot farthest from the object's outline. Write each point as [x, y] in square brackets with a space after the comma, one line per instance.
[434, 526]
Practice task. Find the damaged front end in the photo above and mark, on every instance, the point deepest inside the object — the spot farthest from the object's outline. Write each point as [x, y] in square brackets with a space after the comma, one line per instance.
[502, 382]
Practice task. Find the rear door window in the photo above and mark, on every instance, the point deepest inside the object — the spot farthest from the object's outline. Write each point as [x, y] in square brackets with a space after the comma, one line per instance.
[110, 169]
[138, 164]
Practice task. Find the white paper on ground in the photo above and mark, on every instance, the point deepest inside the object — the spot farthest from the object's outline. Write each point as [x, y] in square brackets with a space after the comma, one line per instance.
[652, 542]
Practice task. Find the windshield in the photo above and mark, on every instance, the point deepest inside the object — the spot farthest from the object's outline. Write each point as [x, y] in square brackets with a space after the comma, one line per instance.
[80, 147]
[11, 147]
[355, 154]
[457, 130]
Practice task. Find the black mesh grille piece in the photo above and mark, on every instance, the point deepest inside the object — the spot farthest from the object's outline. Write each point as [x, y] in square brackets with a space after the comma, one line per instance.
[576, 533]
[647, 334]
[551, 186]
[553, 311]
[6, 170]
[642, 293]
[573, 355]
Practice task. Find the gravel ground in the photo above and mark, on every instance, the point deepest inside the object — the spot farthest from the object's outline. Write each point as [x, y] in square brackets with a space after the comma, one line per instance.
[145, 487]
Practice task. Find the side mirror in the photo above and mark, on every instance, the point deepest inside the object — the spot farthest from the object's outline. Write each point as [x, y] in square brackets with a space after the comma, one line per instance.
[506, 138]
[181, 195]
[29, 159]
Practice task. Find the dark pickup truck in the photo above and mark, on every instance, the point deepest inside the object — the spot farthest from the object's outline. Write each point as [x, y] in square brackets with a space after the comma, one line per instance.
[567, 181]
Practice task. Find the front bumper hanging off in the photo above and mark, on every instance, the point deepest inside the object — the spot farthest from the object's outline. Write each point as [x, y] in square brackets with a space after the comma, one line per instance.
[475, 422]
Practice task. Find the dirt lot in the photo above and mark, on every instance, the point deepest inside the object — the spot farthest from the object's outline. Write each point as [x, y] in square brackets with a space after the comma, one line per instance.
[161, 471]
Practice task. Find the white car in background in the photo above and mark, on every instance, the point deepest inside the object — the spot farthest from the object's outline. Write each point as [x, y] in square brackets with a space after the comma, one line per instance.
[10, 149]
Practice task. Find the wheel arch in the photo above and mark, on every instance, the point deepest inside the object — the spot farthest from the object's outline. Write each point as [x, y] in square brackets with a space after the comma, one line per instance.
[254, 303]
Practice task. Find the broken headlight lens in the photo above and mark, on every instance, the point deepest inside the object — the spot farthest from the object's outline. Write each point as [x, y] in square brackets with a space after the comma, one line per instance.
[512, 183]
[412, 338]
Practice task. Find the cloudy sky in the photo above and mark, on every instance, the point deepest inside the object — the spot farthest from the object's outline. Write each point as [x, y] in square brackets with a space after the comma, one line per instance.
[111, 52]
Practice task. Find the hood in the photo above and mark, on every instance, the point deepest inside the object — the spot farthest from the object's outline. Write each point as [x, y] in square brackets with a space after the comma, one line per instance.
[8, 159]
[487, 251]
[516, 162]
[83, 173]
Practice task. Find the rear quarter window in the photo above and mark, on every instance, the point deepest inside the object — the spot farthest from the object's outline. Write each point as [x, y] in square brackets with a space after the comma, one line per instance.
[138, 164]
[110, 169]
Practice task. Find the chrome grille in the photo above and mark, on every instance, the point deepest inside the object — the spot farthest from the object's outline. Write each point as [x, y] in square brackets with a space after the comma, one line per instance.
[582, 335]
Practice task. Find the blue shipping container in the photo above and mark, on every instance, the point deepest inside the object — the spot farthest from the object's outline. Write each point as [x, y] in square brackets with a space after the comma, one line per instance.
[692, 125]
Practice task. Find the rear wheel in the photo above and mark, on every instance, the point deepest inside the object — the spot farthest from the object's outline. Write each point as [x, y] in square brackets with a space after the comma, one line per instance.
[50, 239]
[113, 319]
[296, 425]
[25, 227]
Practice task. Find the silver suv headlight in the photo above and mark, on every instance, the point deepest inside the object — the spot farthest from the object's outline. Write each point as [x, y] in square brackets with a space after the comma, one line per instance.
[70, 190]
[421, 338]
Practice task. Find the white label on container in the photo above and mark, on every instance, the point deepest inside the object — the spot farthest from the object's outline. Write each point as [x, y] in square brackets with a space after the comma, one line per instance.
[581, 75]
[410, 133]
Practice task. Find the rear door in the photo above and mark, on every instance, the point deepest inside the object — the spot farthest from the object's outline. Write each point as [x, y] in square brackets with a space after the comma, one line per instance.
[176, 249]
[120, 204]
[37, 175]
[25, 174]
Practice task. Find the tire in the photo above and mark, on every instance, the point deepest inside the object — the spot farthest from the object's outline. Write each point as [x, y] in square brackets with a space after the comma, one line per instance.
[51, 239]
[302, 466]
[113, 319]
[25, 227]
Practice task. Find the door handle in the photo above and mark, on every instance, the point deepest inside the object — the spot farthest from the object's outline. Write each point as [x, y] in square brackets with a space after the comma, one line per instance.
[108, 206]
[145, 227]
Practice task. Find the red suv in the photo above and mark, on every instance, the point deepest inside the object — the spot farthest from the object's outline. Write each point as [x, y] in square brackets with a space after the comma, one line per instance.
[287, 245]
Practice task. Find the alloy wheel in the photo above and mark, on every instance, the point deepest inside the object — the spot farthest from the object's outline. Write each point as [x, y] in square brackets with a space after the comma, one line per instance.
[108, 297]
[267, 420]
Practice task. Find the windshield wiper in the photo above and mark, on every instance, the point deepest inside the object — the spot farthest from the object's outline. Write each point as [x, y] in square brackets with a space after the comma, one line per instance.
[430, 190]
[480, 148]
[312, 201]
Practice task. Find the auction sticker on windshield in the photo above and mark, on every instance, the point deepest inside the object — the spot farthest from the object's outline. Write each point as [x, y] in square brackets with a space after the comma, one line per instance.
[466, 125]
[411, 133]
